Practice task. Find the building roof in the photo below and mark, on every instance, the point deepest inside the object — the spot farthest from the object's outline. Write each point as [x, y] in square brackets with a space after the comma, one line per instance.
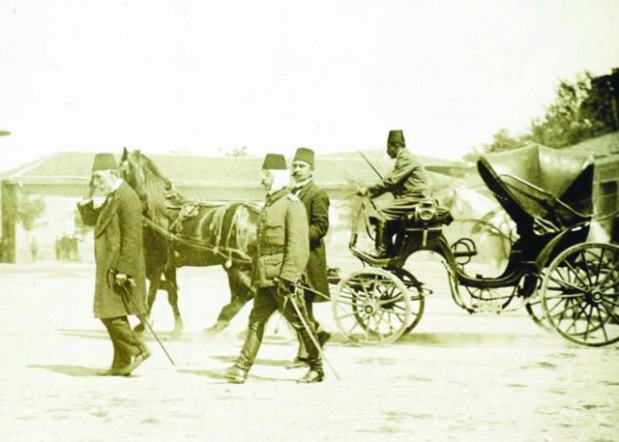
[186, 170]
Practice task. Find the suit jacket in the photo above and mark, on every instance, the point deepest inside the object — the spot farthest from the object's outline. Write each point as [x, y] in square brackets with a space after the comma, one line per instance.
[282, 243]
[316, 204]
[408, 178]
[118, 247]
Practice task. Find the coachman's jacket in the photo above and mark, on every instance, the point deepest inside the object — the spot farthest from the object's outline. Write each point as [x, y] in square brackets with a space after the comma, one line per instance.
[282, 245]
[118, 248]
[408, 182]
[316, 204]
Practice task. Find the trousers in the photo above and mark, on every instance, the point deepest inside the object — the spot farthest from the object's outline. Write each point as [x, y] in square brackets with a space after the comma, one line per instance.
[124, 340]
[266, 302]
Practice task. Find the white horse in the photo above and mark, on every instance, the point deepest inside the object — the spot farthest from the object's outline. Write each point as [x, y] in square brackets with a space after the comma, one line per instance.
[484, 221]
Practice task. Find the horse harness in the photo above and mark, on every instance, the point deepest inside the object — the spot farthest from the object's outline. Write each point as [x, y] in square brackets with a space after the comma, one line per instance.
[175, 235]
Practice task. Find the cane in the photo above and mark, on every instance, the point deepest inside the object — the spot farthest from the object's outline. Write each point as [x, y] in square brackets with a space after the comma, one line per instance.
[311, 335]
[126, 294]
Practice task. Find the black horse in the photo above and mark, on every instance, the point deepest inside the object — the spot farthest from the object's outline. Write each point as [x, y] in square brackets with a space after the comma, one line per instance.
[179, 232]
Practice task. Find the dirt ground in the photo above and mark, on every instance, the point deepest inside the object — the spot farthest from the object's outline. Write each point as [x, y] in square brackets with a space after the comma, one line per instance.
[455, 377]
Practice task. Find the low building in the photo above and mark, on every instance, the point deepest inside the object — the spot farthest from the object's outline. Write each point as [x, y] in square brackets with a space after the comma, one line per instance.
[61, 179]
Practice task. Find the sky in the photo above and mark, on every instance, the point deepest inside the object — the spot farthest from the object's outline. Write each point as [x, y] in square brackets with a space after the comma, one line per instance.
[202, 77]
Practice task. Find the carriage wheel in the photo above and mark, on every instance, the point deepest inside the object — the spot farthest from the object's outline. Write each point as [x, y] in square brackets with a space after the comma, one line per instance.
[416, 297]
[535, 309]
[372, 306]
[580, 294]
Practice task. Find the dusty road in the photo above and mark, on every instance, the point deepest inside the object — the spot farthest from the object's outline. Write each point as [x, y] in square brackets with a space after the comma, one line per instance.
[456, 377]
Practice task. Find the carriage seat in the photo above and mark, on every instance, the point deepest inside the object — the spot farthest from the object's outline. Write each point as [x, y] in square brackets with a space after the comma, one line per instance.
[426, 213]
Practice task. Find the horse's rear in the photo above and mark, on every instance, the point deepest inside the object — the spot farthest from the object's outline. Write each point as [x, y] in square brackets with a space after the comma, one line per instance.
[214, 234]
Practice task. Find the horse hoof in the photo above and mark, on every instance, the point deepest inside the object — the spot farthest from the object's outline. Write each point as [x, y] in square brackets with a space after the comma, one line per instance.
[215, 329]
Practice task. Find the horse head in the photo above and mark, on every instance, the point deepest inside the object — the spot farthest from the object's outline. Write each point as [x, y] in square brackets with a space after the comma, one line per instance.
[151, 186]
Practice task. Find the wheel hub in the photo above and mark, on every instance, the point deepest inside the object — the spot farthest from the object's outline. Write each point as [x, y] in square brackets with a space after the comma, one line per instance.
[370, 307]
[596, 297]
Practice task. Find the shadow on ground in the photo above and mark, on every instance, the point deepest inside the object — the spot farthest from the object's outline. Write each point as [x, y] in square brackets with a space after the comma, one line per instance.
[69, 370]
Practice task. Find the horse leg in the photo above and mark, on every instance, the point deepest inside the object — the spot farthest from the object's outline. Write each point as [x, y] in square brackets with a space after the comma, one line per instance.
[172, 289]
[241, 291]
[153, 287]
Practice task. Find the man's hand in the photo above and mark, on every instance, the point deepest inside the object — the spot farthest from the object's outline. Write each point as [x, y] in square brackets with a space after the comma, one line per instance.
[91, 188]
[120, 278]
[284, 287]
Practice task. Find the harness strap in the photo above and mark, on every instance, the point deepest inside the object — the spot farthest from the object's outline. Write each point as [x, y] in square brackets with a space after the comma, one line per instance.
[243, 258]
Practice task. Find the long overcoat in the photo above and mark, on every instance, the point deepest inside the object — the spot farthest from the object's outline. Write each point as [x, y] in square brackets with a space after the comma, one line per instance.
[282, 243]
[316, 204]
[118, 247]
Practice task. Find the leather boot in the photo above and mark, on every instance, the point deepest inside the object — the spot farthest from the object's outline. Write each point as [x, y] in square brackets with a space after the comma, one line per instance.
[236, 375]
[381, 247]
[313, 376]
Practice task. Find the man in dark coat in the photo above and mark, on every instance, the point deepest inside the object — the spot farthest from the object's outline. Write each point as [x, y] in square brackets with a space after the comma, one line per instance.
[408, 182]
[119, 261]
[316, 202]
[282, 253]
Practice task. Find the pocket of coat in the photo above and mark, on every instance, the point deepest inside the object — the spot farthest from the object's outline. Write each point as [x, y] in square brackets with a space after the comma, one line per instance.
[273, 265]
[274, 233]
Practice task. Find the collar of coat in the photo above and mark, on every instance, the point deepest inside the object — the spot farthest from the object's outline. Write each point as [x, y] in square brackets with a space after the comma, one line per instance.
[302, 184]
[272, 197]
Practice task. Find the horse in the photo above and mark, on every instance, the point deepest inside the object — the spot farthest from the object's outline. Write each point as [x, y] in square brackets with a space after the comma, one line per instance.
[179, 232]
[484, 220]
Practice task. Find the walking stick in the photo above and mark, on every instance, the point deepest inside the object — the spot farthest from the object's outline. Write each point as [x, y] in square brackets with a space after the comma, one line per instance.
[311, 335]
[126, 294]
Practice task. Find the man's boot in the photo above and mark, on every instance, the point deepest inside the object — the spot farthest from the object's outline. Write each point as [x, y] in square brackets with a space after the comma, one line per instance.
[314, 375]
[236, 375]
[381, 246]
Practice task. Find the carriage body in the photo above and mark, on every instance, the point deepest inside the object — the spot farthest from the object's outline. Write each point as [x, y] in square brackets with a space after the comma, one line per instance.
[548, 194]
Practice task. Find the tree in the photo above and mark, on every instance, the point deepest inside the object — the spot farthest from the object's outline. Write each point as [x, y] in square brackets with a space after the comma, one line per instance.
[28, 210]
[582, 109]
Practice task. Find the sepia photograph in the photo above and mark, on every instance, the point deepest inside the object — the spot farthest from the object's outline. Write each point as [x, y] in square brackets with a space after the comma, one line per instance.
[344, 220]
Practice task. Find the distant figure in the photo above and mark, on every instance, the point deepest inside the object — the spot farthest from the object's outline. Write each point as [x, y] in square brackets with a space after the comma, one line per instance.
[34, 249]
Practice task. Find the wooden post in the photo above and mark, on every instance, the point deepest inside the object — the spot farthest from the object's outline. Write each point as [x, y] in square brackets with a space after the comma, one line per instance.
[9, 217]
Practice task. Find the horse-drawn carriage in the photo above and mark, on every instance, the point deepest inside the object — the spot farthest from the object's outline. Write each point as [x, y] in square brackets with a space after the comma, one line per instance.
[565, 283]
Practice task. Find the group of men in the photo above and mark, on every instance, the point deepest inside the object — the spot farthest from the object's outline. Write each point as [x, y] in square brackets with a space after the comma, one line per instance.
[290, 270]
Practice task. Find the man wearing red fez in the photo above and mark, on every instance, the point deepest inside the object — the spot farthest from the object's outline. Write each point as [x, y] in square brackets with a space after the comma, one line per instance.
[119, 260]
[316, 204]
[408, 182]
[282, 253]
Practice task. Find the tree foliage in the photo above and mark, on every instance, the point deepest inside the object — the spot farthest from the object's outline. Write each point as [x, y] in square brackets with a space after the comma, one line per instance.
[28, 210]
[582, 109]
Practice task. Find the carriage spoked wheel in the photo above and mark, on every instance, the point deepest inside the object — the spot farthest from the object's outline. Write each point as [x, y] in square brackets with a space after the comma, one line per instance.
[416, 297]
[372, 306]
[580, 294]
[535, 309]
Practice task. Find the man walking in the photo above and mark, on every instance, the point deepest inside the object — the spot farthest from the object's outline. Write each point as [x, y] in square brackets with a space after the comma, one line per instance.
[282, 253]
[120, 286]
[316, 204]
[408, 182]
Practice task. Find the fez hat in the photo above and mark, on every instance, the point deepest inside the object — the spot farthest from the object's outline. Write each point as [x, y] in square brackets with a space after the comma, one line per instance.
[104, 161]
[274, 161]
[304, 154]
[396, 136]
